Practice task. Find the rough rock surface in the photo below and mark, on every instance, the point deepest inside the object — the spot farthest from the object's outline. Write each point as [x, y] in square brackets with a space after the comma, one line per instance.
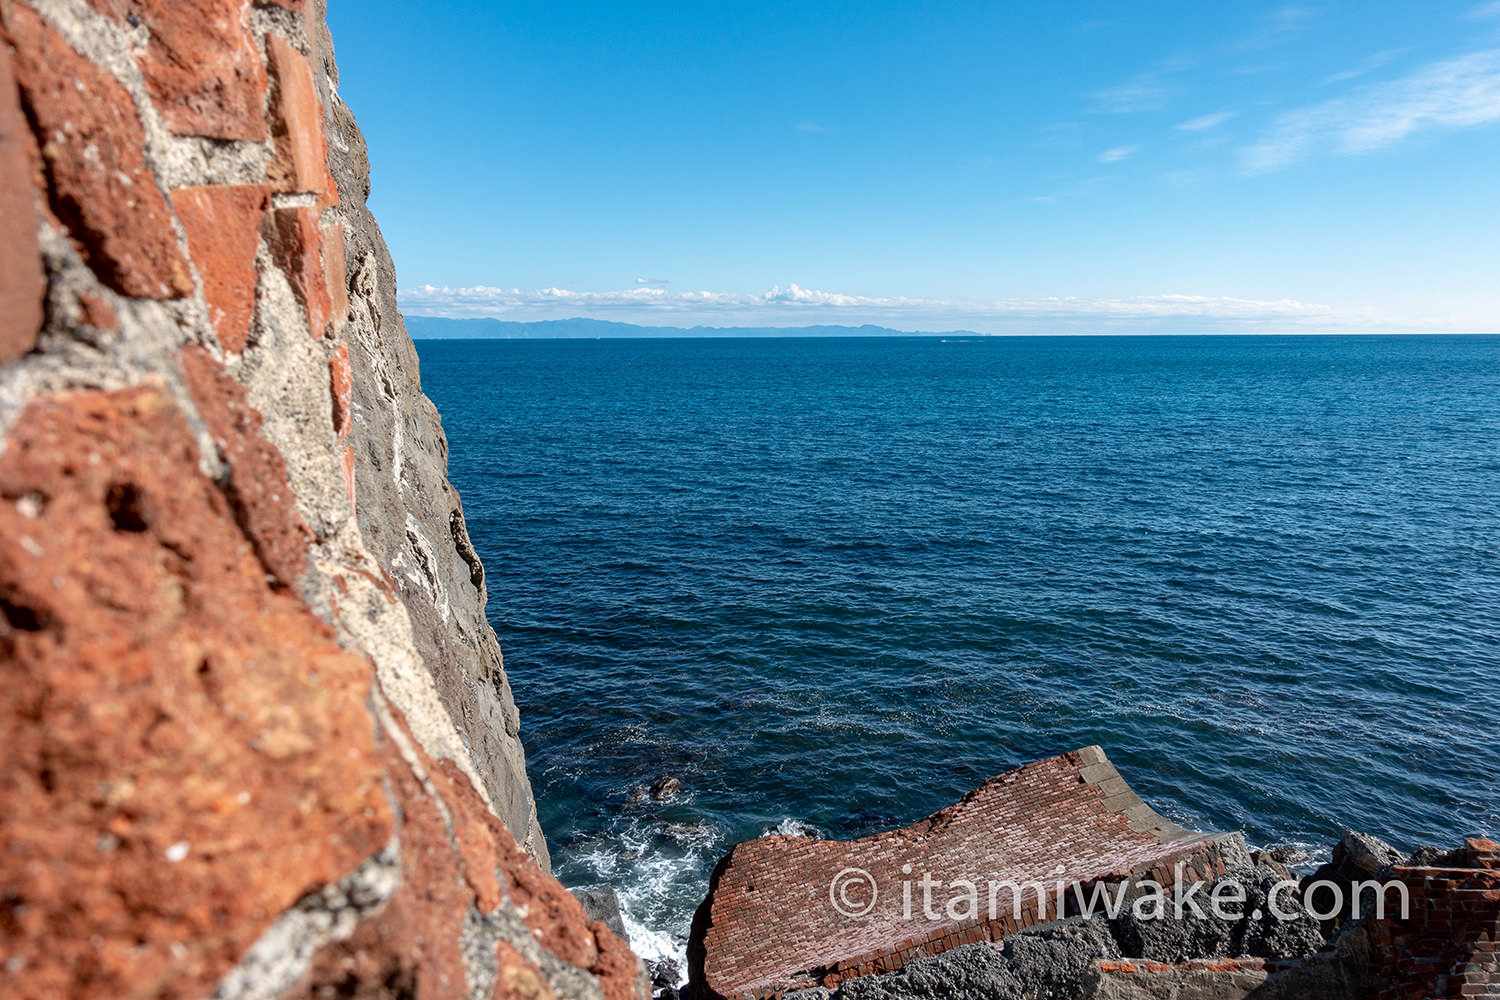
[410, 516]
[1246, 929]
[1357, 858]
[1055, 960]
[258, 742]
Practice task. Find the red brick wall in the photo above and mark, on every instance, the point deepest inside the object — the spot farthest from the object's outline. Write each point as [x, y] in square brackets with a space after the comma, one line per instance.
[1448, 945]
[225, 769]
[769, 922]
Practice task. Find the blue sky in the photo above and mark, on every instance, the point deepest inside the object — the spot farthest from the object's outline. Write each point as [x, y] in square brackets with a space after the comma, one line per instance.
[1001, 167]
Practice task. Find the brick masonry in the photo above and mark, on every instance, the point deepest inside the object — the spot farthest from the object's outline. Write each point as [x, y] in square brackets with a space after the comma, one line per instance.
[1449, 946]
[244, 756]
[770, 923]
[1444, 947]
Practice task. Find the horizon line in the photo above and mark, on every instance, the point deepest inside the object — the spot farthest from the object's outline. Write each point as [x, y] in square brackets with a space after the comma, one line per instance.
[760, 332]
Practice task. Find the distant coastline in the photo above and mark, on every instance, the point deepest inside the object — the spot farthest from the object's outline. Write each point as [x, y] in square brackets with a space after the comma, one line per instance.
[442, 328]
[446, 328]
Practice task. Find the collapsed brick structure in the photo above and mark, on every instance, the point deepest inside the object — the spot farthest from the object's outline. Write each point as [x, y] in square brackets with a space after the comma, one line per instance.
[257, 737]
[1058, 837]
[790, 912]
[1449, 944]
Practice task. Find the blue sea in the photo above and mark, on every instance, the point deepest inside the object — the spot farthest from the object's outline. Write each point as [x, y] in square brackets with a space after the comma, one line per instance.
[834, 584]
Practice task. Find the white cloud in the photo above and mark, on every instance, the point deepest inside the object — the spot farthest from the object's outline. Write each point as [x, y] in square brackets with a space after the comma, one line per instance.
[1149, 90]
[1463, 92]
[1485, 10]
[794, 305]
[1205, 122]
[810, 127]
[1143, 93]
[1369, 65]
[651, 281]
[1118, 153]
[1275, 28]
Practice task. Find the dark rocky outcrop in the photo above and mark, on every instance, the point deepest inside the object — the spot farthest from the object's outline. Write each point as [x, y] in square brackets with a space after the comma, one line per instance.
[1249, 928]
[1357, 858]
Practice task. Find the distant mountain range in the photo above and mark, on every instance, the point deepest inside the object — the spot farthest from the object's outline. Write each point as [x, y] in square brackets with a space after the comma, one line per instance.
[438, 328]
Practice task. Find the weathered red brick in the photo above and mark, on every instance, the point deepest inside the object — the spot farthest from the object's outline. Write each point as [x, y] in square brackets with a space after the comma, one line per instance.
[346, 466]
[223, 226]
[296, 241]
[187, 749]
[98, 312]
[21, 282]
[411, 947]
[201, 66]
[341, 381]
[93, 146]
[257, 487]
[457, 855]
[301, 161]
[333, 274]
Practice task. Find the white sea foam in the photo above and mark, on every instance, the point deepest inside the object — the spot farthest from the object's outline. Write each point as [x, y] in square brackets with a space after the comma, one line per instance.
[790, 827]
[659, 872]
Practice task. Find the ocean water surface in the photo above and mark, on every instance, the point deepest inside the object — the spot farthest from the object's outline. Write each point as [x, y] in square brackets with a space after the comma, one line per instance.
[832, 585]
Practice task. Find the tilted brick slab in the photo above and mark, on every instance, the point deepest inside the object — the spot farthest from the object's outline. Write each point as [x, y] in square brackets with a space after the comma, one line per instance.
[770, 922]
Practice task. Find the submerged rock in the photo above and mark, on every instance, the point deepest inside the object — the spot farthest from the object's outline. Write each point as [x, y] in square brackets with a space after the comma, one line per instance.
[665, 787]
[665, 973]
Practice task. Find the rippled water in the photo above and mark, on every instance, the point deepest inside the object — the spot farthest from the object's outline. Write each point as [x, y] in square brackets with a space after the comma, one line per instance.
[835, 584]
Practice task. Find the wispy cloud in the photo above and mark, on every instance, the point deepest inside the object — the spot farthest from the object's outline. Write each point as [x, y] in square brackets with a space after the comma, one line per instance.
[1146, 92]
[1463, 92]
[1289, 20]
[810, 127]
[651, 281]
[1118, 153]
[793, 305]
[1275, 27]
[1205, 122]
[1369, 65]
[1149, 90]
[1485, 10]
